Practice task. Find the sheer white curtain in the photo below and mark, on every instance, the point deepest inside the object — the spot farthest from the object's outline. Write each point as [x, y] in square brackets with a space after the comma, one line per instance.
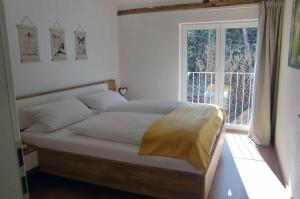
[266, 85]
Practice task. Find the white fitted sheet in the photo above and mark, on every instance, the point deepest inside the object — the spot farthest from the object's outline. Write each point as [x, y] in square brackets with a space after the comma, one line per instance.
[66, 141]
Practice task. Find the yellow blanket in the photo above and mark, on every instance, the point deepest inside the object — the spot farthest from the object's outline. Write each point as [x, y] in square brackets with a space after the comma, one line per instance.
[188, 133]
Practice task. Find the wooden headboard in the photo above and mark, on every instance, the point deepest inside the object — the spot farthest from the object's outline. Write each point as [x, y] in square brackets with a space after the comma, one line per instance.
[111, 85]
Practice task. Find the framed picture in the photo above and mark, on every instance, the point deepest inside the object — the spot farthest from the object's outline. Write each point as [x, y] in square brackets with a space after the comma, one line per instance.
[58, 44]
[29, 43]
[80, 45]
[294, 51]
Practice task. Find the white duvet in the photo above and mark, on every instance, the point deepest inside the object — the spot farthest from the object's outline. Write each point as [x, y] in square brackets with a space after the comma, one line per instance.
[147, 106]
[121, 127]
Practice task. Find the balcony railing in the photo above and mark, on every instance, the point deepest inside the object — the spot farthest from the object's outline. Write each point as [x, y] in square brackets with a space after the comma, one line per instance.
[237, 97]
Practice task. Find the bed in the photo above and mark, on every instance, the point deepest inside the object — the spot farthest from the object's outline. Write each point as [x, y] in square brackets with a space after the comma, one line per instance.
[111, 163]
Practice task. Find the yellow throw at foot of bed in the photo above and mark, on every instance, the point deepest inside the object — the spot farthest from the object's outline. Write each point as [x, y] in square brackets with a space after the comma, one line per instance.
[187, 133]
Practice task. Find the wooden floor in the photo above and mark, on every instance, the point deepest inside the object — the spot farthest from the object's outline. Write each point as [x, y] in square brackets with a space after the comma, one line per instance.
[244, 171]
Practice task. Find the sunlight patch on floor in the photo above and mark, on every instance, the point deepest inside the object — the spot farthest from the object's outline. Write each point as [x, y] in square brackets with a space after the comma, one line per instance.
[259, 180]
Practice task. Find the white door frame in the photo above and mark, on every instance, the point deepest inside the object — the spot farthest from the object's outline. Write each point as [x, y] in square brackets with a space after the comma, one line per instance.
[12, 174]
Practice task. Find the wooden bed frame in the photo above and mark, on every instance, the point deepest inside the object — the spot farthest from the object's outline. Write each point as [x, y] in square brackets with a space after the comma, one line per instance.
[146, 180]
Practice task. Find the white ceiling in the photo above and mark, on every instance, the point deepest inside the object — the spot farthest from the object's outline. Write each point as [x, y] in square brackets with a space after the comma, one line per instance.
[128, 4]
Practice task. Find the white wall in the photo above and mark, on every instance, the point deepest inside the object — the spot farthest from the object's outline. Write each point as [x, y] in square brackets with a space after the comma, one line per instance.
[149, 48]
[288, 125]
[98, 17]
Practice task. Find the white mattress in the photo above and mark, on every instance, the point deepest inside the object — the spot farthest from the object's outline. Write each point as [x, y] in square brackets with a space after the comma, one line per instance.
[66, 141]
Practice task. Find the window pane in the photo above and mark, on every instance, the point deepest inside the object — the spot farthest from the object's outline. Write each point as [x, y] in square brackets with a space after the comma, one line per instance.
[201, 64]
[240, 57]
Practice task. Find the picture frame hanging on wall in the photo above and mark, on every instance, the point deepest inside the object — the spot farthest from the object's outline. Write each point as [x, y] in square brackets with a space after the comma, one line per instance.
[80, 43]
[58, 43]
[294, 51]
[28, 41]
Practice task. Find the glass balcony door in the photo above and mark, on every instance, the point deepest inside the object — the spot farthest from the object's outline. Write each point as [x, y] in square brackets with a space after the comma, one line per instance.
[238, 62]
[201, 44]
[218, 65]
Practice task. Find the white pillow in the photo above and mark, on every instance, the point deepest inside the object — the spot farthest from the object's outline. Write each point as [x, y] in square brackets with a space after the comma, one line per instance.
[59, 114]
[103, 101]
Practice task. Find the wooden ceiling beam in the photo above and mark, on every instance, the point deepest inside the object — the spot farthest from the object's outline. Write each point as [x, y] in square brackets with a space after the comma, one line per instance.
[189, 6]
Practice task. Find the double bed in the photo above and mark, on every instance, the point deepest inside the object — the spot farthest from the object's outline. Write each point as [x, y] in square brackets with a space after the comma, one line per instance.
[114, 161]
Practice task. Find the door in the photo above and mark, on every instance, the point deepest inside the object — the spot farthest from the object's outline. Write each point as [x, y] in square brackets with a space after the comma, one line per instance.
[218, 64]
[12, 175]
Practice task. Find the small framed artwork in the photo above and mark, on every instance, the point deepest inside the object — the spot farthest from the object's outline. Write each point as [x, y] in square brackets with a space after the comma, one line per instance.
[294, 51]
[29, 43]
[80, 45]
[58, 44]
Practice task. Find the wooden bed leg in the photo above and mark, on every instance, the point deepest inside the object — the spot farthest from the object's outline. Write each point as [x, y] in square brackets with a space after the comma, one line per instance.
[213, 166]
